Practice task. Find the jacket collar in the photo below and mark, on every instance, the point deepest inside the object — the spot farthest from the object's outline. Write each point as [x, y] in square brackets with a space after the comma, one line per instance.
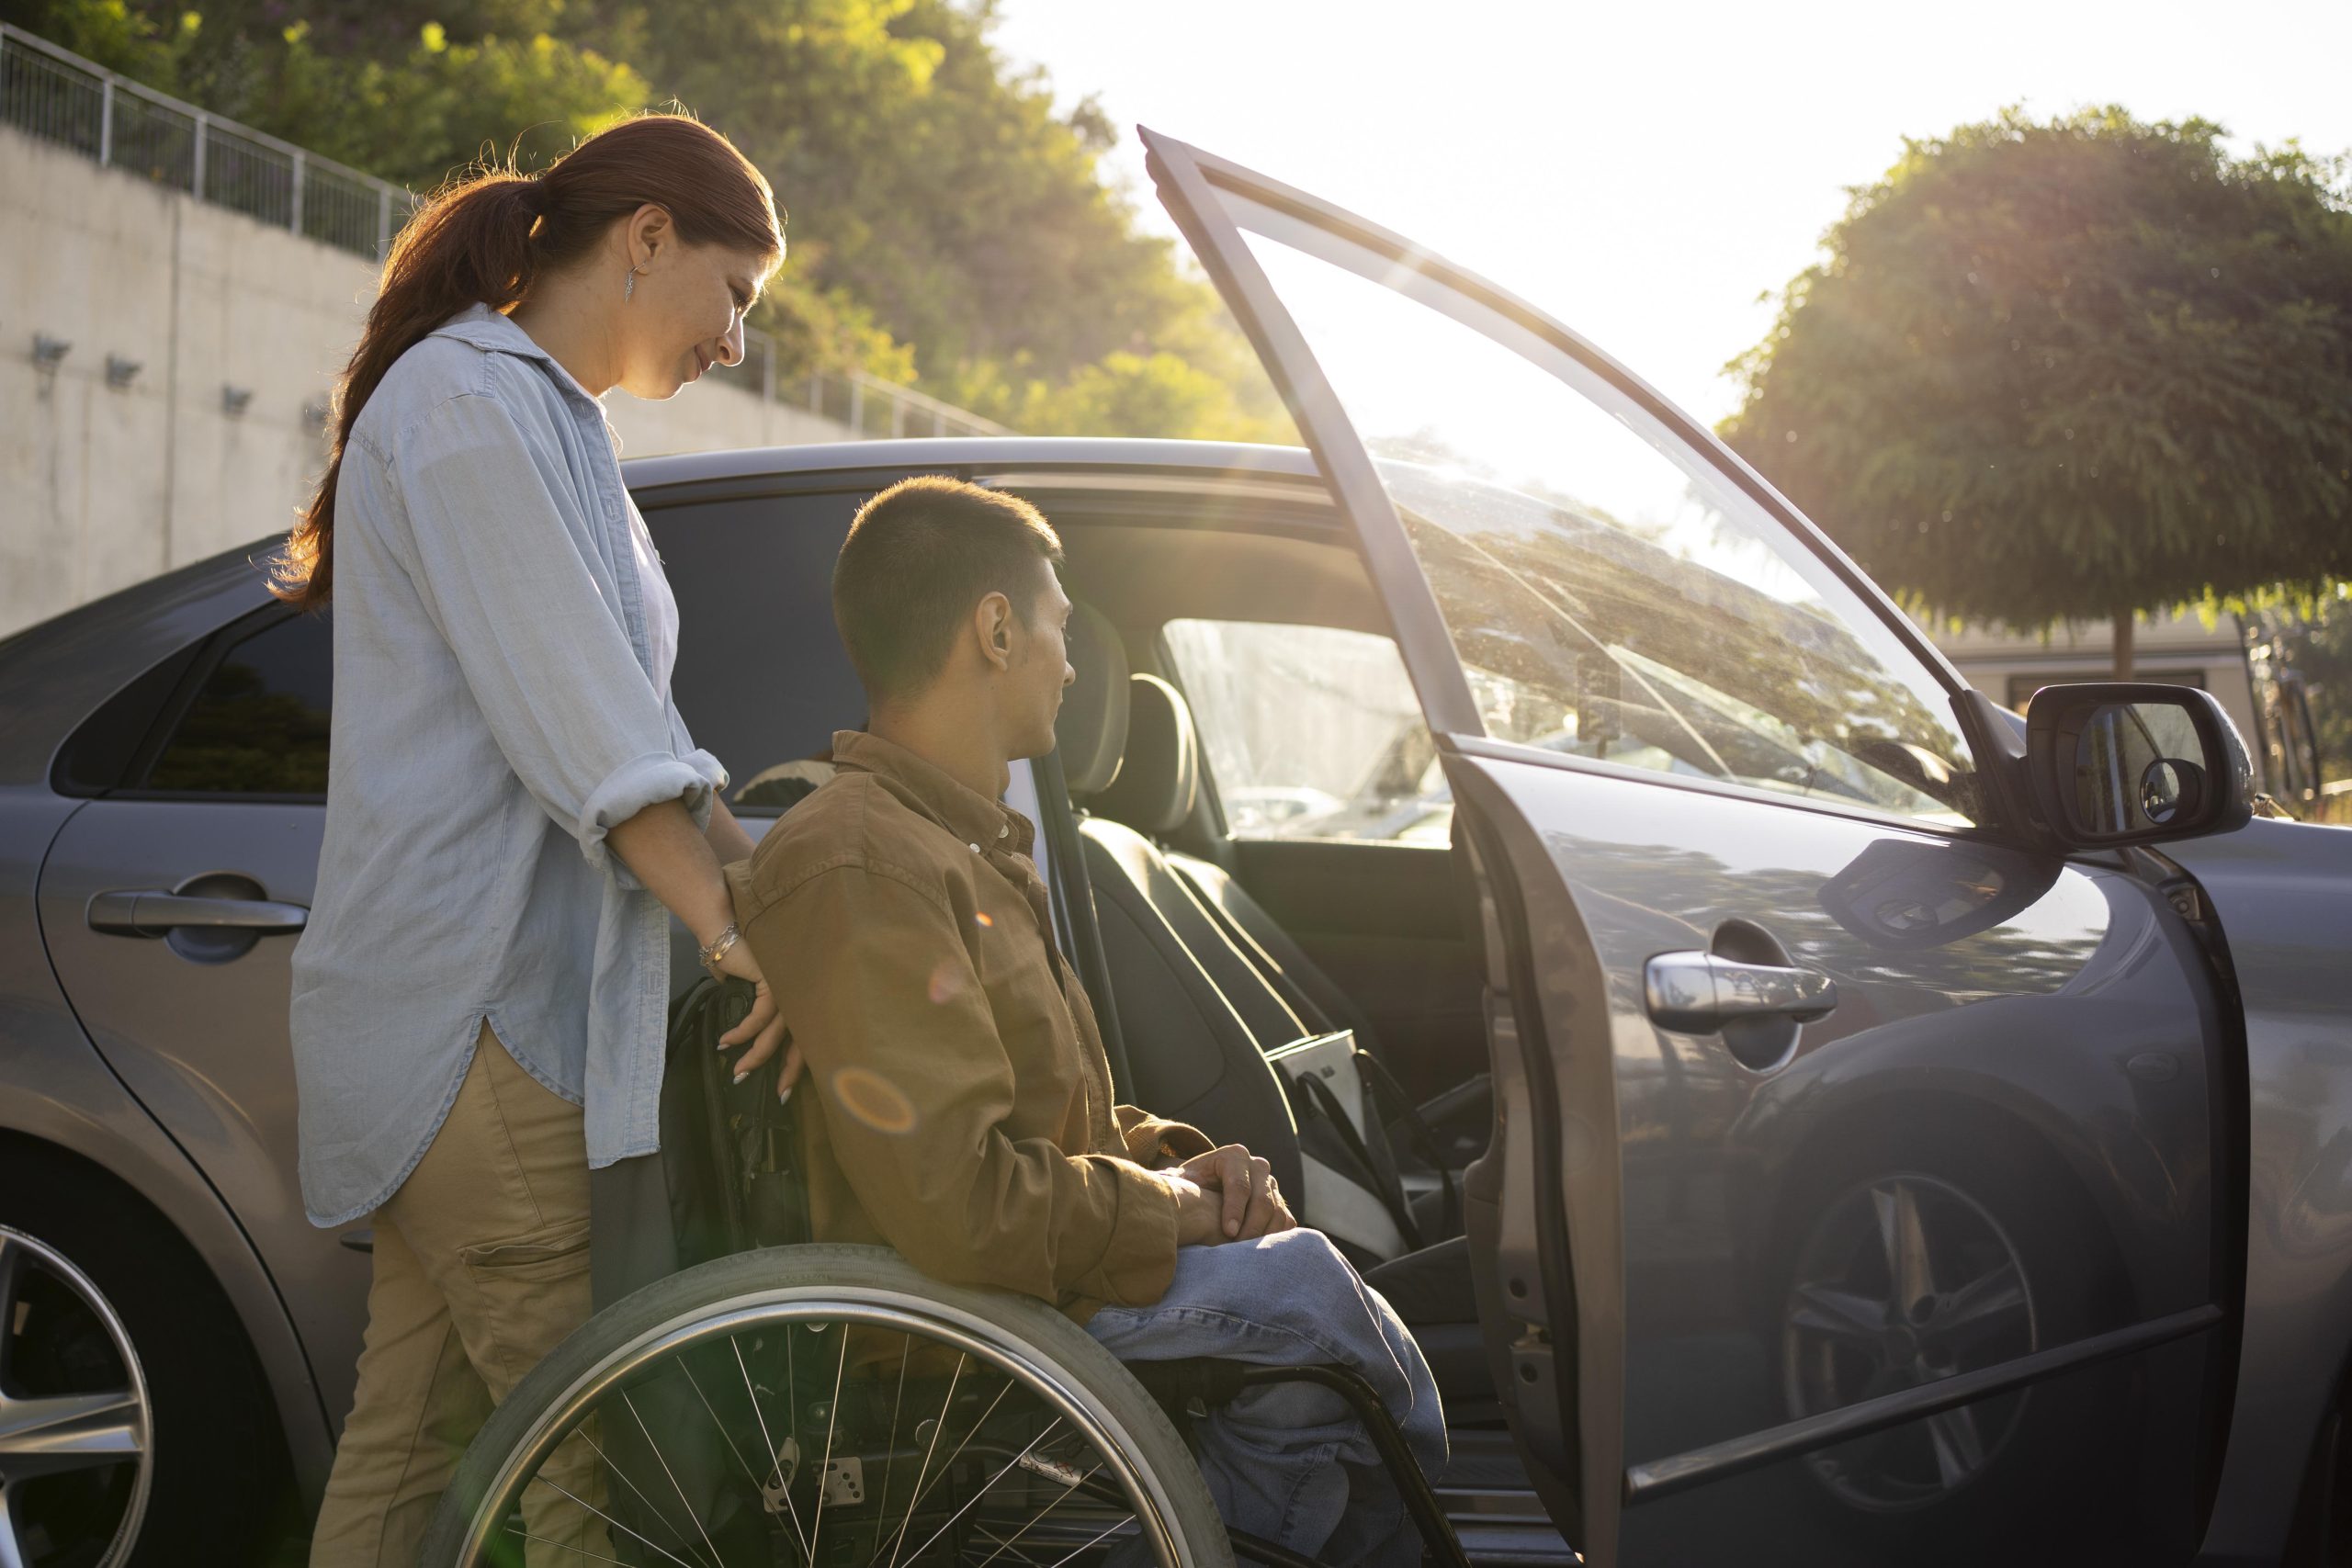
[982, 823]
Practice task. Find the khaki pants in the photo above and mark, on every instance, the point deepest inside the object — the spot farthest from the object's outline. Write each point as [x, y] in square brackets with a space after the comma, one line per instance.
[481, 1267]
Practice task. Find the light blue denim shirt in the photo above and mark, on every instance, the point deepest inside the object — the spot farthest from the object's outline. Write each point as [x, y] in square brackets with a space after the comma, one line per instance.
[497, 710]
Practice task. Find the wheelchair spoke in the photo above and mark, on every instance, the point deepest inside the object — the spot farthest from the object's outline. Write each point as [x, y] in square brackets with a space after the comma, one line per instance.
[1059, 1498]
[992, 1479]
[923, 1491]
[558, 1487]
[564, 1546]
[663, 1461]
[899, 1539]
[825, 1466]
[890, 1445]
[1089, 1546]
[581, 1433]
[687, 1367]
[775, 1461]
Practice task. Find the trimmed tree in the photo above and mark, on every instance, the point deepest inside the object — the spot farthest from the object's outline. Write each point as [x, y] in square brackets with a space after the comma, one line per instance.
[2063, 370]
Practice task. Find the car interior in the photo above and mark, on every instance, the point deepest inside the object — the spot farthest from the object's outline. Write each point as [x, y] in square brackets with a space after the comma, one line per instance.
[1317, 999]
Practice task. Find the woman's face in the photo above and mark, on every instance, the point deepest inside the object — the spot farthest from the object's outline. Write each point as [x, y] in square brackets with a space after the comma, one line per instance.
[686, 313]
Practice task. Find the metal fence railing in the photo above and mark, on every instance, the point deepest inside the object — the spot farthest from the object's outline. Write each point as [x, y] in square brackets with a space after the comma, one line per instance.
[57, 95]
[872, 408]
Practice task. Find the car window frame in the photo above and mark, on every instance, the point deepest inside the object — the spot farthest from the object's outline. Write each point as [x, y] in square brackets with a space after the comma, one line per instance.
[1213, 200]
[175, 710]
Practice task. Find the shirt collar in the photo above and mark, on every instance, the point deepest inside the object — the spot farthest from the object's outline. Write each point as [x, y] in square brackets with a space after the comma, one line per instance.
[982, 823]
[493, 331]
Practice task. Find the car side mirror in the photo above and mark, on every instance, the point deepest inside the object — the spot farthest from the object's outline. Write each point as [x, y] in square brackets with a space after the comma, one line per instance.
[2134, 762]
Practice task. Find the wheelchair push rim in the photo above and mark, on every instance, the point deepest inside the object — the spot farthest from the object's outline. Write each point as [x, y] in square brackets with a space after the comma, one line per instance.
[838, 1310]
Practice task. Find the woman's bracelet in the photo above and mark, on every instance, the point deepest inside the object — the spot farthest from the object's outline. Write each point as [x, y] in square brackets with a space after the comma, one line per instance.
[720, 947]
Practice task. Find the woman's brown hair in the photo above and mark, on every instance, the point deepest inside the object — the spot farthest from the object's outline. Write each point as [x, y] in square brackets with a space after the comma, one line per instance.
[483, 238]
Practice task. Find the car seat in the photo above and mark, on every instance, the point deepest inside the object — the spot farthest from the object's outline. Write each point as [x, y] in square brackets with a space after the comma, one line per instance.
[1196, 1010]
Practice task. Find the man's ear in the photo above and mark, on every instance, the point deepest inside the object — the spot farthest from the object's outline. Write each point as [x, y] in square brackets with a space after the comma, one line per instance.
[993, 622]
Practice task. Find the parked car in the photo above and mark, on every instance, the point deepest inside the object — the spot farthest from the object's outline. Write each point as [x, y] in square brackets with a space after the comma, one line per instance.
[1916, 1132]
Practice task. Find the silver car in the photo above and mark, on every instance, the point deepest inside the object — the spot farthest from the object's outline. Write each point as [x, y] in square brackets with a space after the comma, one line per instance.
[1899, 1130]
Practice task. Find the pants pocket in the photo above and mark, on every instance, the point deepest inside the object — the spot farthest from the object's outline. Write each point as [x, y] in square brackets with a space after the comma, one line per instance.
[520, 1298]
[544, 1258]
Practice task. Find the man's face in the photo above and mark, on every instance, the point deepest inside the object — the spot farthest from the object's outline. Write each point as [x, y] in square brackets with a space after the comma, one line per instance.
[1040, 668]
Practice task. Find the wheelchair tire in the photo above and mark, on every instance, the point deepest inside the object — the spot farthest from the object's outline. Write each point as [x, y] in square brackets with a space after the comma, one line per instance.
[1015, 1337]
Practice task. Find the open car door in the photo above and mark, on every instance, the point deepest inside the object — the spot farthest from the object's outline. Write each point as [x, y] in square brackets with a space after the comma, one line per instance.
[1852, 1190]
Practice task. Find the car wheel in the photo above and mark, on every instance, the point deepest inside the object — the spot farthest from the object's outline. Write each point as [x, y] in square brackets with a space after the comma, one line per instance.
[1926, 1255]
[134, 1428]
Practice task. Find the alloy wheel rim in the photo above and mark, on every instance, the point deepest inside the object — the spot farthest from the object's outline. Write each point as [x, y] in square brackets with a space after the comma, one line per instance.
[76, 1425]
[1904, 1280]
[833, 1313]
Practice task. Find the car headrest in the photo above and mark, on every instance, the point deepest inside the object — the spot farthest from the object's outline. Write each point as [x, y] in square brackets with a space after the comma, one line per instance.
[1162, 770]
[1092, 733]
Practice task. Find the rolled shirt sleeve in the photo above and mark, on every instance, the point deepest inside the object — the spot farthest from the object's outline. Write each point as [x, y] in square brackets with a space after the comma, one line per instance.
[915, 1088]
[502, 570]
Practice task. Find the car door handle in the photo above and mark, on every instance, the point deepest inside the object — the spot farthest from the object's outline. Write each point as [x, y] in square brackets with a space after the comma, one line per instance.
[153, 912]
[1697, 993]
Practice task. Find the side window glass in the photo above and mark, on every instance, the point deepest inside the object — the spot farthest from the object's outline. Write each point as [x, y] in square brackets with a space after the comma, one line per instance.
[762, 678]
[259, 724]
[1610, 592]
[1311, 732]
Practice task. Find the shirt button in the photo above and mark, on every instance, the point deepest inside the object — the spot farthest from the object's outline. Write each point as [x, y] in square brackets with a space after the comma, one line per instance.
[974, 848]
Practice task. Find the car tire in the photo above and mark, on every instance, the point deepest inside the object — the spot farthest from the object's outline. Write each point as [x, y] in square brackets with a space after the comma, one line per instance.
[217, 1481]
[2025, 1471]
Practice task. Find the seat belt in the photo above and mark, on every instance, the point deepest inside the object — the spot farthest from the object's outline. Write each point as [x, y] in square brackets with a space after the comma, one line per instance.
[1275, 974]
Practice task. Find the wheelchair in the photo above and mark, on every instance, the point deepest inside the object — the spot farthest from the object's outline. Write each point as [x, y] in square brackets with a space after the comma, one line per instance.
[776, 1400]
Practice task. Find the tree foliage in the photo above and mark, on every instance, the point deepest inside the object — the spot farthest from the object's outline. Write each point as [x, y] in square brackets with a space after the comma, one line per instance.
[2079, 369]
[947, 225]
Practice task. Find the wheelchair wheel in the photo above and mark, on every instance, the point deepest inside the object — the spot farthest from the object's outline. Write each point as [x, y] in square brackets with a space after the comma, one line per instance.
[826, 1404]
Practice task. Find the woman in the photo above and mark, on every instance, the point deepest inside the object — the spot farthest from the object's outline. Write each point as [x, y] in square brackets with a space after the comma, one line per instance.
[514, 808]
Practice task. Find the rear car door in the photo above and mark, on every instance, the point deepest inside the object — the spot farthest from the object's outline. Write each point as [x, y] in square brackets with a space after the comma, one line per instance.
[1853, 1191]
[170, 907]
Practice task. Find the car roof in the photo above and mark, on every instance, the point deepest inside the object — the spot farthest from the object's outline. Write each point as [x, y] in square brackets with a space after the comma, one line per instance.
[967, 452]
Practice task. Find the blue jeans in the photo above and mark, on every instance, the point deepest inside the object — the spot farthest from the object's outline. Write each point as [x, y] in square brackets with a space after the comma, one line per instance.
[1288, 1461]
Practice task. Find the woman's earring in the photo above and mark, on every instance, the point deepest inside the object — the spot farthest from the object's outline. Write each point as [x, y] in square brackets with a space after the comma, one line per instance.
[628, 285]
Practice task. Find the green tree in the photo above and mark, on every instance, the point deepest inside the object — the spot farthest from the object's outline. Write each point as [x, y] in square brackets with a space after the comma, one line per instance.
[2061, 371]
[412, 106]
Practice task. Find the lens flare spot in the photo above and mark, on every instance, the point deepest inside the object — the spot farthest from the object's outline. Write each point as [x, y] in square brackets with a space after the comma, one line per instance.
[982, 916]
[946, 981]
[874, 1101]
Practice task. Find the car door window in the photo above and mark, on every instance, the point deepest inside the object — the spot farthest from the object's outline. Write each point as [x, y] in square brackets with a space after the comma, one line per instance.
[1611, 594]
[258, 724]
[1311, 732]
[762, 678]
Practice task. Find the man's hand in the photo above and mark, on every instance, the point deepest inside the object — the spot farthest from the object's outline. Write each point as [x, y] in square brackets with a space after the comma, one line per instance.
[763, 1026]
[1246, 1203]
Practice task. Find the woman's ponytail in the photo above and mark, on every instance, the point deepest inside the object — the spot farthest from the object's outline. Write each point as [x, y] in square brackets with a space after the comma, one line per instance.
[484, 238]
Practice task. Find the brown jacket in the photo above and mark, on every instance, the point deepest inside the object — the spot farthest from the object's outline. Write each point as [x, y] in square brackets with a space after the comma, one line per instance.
[962, 1101]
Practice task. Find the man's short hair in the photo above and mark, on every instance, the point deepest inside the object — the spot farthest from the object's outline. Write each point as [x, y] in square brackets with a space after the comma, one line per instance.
[918, 557]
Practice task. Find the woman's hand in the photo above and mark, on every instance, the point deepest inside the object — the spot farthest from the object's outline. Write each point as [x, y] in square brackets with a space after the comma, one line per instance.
[763, 1027]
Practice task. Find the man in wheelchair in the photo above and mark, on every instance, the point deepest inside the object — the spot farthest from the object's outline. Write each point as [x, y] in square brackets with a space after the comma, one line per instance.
[963, 1107]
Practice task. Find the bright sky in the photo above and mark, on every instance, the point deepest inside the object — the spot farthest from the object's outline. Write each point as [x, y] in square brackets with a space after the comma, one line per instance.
[1644, 171]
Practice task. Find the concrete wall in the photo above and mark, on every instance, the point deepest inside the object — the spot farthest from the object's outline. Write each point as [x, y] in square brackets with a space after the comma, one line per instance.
[102, 486]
